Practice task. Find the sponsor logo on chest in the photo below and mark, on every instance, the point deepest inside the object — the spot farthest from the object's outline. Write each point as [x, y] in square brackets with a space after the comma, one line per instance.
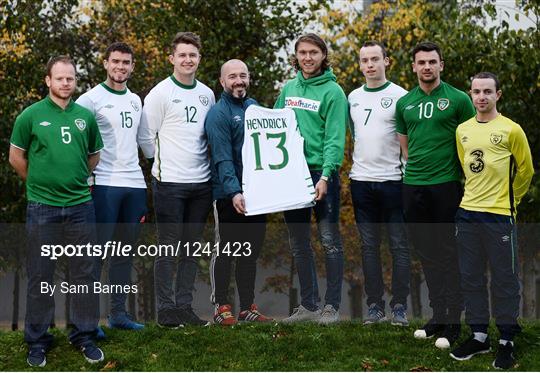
[302, 103]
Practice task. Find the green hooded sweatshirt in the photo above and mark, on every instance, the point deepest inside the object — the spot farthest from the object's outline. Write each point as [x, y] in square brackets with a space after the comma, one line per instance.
[321, 110]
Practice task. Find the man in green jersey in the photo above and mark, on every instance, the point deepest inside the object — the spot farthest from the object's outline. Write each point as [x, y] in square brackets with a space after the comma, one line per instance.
[426, 120]
[54, 145]
[498, 168]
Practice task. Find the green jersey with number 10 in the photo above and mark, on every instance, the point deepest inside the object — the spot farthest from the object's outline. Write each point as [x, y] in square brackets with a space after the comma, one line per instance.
[57, 143]
[430, 122]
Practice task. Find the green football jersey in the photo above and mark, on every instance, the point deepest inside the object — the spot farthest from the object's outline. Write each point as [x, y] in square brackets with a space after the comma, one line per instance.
[430, 122]
[57, 143]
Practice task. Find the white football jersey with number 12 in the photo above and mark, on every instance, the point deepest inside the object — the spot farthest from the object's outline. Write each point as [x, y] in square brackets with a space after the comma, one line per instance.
[275, 173]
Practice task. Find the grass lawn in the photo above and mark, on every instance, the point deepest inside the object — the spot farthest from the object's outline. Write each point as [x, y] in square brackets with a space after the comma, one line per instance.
[348, 346]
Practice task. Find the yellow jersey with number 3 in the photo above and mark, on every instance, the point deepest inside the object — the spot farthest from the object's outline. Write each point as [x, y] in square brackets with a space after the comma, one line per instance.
[497, 164]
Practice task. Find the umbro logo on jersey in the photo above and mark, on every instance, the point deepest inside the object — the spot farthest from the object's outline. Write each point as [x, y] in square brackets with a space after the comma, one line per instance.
[464, 139]
[204, 100]
[81, 124]
[237, 118]
[355, 104]
[443, 103]
[386, 102]
[45, 124]
[409, 107]
[135, 106]
[177, 101]
[505, 238]
[108, 106]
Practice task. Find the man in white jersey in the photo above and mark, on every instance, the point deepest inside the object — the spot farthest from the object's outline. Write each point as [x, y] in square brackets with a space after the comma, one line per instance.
[119, 189]
[376, 183]
[172, 132]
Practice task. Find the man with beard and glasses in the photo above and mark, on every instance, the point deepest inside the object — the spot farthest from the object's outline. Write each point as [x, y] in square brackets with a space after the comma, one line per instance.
[172, 132]
[119, 189]
[225, 129]
[426, 121]
[55, 145]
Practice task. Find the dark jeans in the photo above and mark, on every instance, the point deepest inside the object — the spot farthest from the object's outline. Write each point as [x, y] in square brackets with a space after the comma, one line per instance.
[429, 212]
[119, 211]
[375, 204]
[50, 225]
[299, 226]
[233, 228]
[181, 212]
[484, 238]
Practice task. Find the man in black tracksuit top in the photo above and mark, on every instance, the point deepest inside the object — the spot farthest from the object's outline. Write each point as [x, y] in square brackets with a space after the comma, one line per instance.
[224, 127]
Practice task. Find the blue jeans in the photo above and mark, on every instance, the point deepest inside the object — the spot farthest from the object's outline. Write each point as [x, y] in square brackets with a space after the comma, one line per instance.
[125, 206]
[181, 212]
[376, 203]
[489, 239]
[299, 226]
[48, 225]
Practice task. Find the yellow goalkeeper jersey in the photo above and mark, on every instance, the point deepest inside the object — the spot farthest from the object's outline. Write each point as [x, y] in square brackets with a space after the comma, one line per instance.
[497, 163]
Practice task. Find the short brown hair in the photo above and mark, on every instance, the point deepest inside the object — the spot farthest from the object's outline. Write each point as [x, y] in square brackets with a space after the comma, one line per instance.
[374, 43]
[118, 47]
[488, 75]
[318, 42]
[54, 60]
[427, 46]
[186, 38]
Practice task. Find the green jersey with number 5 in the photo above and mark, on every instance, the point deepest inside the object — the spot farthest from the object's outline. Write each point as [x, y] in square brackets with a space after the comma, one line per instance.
[430, 122]
[57, 143]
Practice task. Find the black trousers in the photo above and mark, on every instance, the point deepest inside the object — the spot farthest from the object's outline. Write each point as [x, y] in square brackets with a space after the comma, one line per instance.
[430, 212]
[240, 239]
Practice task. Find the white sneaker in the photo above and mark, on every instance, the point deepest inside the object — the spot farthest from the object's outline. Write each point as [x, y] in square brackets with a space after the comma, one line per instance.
[302, 314]
[329, 315]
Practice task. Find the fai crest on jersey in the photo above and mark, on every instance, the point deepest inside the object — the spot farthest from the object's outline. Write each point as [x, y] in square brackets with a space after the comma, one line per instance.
[81, 124]
[495, 138]
[135, 106]
[204, 100]
[386, 102]
[443, 103]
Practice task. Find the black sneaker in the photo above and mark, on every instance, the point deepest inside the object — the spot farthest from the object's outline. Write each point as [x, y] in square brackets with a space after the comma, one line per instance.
[36, 357]
[469, 348]
[92, 353]
[169, 318]
[450, 335]
[186, 316]
[505, 357]
[429, 330]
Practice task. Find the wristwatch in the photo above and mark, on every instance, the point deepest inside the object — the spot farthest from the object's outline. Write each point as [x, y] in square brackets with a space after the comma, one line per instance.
[325, 178]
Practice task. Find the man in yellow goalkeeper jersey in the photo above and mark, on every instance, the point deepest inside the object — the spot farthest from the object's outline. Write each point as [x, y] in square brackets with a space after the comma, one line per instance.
[498, 168]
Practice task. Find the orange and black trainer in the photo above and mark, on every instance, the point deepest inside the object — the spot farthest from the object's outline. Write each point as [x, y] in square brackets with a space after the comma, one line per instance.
[253, 315]
[224, 316]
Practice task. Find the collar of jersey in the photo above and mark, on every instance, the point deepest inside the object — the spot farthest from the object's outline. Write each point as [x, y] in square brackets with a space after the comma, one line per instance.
[238, 101]
[378, 88]
[437, 89]
[114, 91]
[183, 85]
[58, 108]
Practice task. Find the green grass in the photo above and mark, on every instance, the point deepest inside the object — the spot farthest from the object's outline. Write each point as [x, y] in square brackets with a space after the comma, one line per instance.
[348, 346]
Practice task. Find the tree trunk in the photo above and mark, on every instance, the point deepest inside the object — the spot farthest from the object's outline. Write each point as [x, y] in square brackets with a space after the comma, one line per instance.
[416, 295]
[529, 287]
[538, 298]
[16, 288]
[356, 293]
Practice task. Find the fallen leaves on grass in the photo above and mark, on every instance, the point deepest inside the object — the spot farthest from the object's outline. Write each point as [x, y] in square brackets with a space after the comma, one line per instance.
[110, 365]
[420, 368]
